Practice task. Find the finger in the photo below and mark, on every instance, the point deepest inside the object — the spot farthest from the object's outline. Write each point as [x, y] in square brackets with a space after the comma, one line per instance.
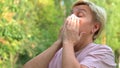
[68, 25]
[77, 25]
[81, 35]
[76, 19]
[73, 24]
[72, 18]
[79, 21]
[66, 22]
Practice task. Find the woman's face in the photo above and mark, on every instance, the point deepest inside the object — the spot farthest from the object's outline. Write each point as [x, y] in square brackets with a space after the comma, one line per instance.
[86, 18]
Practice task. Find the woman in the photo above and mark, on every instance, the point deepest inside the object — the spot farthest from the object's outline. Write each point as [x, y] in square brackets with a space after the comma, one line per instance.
[75, 48]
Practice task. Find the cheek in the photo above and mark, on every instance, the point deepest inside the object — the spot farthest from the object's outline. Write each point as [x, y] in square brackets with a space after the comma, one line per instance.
[85, 26]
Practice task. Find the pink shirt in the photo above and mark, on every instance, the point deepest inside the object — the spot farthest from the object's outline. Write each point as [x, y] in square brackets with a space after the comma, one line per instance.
[92, 56]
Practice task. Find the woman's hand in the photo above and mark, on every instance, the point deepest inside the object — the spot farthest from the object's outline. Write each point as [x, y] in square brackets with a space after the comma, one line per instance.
[71, 30]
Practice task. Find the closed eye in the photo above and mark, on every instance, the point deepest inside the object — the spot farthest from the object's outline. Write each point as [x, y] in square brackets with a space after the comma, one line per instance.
[80, 14]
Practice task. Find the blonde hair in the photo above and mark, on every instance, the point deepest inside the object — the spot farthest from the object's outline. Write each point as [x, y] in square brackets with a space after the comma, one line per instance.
[98, 12]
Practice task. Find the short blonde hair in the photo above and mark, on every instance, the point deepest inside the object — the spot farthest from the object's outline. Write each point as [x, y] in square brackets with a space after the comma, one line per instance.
[98, 12]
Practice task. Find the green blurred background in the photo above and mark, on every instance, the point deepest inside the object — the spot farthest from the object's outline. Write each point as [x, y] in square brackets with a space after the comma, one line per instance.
[28, 27]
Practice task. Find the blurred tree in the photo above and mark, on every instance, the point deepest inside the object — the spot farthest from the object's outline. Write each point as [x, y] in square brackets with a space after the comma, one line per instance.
[47, 19]
[27, 28]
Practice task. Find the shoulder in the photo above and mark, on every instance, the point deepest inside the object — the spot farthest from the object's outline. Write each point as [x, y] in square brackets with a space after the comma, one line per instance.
[102, 52]
[101, 48]
[99, 56]
[93, 48]
[97, 48]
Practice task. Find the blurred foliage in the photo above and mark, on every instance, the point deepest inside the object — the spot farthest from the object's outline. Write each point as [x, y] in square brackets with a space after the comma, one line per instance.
[28, 27]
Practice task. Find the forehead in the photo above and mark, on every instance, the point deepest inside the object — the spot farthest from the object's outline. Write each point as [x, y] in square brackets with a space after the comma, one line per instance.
[86, 8]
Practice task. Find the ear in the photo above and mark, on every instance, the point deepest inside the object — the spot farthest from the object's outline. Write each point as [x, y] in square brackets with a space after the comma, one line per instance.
[96, 27]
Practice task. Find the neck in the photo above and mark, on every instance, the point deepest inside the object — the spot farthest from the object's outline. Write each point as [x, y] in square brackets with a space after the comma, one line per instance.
[82, 44]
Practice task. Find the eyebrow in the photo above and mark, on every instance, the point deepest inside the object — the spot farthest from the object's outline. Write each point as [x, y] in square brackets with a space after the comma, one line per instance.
[82, 10]
[79, 9]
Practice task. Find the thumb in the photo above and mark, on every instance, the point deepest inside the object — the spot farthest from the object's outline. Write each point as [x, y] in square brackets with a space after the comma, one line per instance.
[81, 35]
